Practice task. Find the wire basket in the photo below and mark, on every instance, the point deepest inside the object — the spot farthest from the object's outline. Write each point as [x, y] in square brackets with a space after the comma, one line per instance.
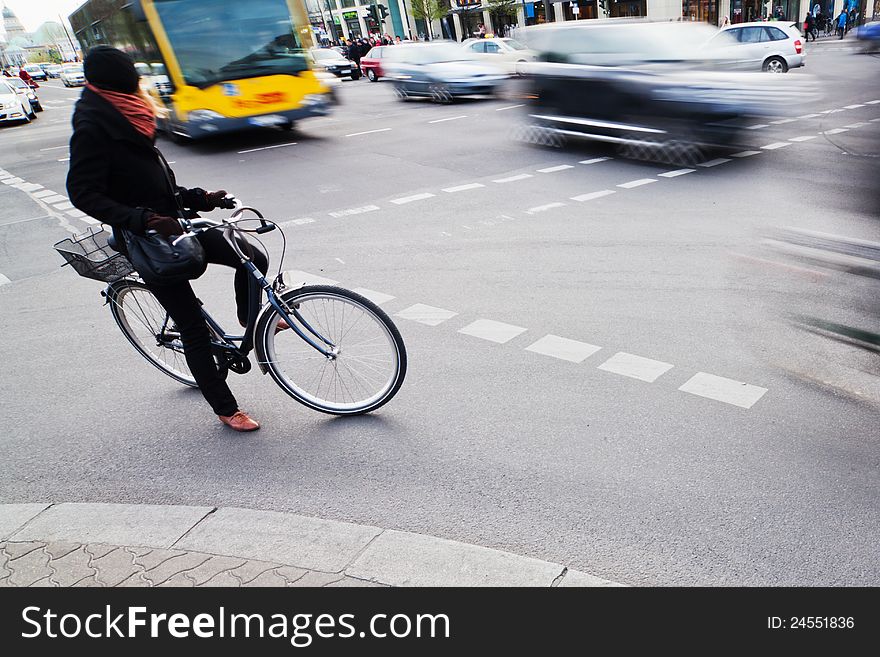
[91, 256]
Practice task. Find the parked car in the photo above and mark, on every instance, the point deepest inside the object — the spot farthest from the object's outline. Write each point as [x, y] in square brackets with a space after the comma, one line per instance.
[371, 63]
[23, 89]
[53, 70]
[655, 90]
[35, 71]
[775, 47]
[332, 61]
[507, 53]
[13, 106]
[72, 75]
[440, 71]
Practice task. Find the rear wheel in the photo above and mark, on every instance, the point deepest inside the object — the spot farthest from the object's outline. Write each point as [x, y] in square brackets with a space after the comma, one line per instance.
[146, 325]
[775, 65]
[38, 107]
[371, 75]
[368, 362]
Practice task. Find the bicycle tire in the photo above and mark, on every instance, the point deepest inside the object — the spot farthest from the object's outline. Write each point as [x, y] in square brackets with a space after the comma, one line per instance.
[357, 363]
[139, 316]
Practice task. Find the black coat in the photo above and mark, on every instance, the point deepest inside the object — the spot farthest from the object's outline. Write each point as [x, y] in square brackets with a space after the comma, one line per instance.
[117, 175]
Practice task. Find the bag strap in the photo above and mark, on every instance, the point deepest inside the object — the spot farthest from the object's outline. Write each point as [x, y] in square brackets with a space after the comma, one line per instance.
[166, 169]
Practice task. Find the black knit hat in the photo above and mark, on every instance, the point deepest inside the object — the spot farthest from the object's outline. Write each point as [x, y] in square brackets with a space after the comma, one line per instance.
[111, 69]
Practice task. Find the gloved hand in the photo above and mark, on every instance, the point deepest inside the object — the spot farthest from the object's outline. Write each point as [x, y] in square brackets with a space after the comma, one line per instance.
[167, 226]
[214, 199]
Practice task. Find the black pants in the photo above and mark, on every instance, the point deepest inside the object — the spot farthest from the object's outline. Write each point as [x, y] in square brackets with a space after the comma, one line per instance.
[181, 303]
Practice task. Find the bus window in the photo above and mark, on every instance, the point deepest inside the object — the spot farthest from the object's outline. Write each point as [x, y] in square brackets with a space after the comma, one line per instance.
[218, 40]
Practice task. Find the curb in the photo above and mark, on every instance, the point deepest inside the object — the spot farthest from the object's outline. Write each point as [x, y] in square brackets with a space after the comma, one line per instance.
[72, 544]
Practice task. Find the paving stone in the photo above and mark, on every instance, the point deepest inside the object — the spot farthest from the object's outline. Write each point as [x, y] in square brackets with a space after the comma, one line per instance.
[354, 582]
[116, 566]
[250, 570]
[213, 567]
[179, 580]
[316, 579]
[29, 568]
[97, 550]
[153, 558]
[57, 550]
[18, 550]
[179, 564]
[290, 573]
[72, 567]
[43, 583]
[268, 578]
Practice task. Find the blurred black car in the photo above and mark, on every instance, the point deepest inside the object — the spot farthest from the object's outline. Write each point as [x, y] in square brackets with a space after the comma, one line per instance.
[662, 91]
[332, 61]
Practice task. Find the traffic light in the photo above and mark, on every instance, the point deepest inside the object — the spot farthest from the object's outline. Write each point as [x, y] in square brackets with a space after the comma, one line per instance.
[383, 11]
[373, 13]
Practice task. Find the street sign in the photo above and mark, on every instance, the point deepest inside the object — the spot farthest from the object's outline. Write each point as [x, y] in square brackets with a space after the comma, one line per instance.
[575, 10]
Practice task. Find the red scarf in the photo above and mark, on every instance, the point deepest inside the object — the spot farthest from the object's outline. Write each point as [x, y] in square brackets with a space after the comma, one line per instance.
[132, 107]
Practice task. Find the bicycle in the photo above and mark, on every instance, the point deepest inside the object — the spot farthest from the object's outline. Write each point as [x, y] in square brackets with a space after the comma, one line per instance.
[341, 354]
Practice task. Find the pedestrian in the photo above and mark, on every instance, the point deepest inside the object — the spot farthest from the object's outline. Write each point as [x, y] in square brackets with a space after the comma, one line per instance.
[841, 24]
[809, 25]
[354, 53]
[397, 41]
[724, 21]
[481, 31]
[24, 75]
[120, 178]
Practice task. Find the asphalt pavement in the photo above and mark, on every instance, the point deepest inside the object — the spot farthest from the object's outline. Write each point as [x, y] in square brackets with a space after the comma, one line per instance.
[599, 378]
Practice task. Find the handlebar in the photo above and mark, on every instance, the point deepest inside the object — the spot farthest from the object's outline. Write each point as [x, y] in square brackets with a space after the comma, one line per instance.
[193, 227]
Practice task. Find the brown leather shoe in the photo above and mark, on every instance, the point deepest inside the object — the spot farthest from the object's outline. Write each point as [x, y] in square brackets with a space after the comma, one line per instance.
[240, 421]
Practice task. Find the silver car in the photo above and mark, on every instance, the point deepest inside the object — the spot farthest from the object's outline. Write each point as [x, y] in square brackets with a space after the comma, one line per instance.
[773, 46]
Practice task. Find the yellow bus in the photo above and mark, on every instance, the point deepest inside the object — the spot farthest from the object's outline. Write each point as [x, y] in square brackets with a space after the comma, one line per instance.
[218, 65]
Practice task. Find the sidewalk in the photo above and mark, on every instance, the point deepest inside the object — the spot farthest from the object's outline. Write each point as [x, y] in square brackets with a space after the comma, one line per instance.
[153, 545]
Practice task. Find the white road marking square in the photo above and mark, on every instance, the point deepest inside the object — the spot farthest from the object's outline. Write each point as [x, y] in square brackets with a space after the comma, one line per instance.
[676, 173]
[424, 314]
[297, 278]
[592, 195]
[635, 367]
[595, 160]
[561, 167]
[803, 138]
[29, 187]
[563, 348]
[521, 176]
[637, 183]
[713, 163]
[376, 297]
[775, 145]
[463, 188]
[745, 153]
[76, 214]
[493, 331]
[54, 199]
[67, 205]
[836, 131]
[724, 390]
[410, 199]
[89, 220]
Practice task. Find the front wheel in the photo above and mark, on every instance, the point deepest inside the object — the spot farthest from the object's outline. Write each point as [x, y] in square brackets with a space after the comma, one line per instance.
[368, 361]
[146, 325]
[38, 107]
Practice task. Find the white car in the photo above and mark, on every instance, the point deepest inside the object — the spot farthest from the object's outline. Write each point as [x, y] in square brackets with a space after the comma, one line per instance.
[72, 75]
[772, 46]
[13, 106]
[507, 53]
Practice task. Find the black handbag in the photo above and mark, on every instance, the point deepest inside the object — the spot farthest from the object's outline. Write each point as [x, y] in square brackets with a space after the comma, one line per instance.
[162, 260]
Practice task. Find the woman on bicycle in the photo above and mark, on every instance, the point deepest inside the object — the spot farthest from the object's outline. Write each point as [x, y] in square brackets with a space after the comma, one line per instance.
[119, 177]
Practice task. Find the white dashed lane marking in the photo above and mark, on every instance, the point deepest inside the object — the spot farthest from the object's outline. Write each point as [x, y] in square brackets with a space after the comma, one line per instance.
[745, 153]
[353, 211]
[463, 188]
[713, 163]
[803, 138]
[410, 199]
[561, 167]
[637, 183]
[509, 107]
[872, 102]
[450, 118]
[376, 297]
[775, 145]
[635, 367]
[853, 106]
[493, 331]
[4, 280]
[724, 390]
[809, 116]
[757, 126]
[783, 121]
[368, 132]
[592, 195]
[563, 348]
[263, 148]
[595, 160]
[521, 176]
[424, 314]
[53, 148]
[853, 126]
[836, 131]
[544, 208]
[676, 173]
[294, 277]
